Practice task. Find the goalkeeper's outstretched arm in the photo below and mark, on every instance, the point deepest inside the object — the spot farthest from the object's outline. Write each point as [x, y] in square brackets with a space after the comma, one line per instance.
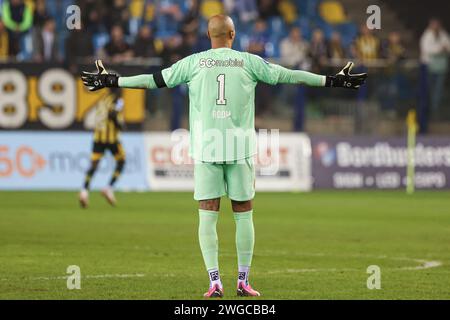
[262, 70]
[102, 79]
[274, 74]
[143, 81]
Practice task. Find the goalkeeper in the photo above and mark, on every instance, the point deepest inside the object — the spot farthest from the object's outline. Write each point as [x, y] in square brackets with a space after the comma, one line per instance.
[221, 85]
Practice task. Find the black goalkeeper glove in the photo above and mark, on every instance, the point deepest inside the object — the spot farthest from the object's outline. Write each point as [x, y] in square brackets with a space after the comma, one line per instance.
[346, 80]
[101, 79]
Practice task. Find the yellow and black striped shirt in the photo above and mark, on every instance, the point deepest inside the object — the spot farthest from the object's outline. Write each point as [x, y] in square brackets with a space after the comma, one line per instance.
[367, 47]
[108, 120]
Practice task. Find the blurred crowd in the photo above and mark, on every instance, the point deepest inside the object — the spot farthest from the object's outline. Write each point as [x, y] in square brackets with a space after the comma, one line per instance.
[300, 33]
[304, 34]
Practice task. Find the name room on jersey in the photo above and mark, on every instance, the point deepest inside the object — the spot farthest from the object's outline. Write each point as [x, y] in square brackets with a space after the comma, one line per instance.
[221, 111]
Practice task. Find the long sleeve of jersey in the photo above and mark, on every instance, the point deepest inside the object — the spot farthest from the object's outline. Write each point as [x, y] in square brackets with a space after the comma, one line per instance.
[273, 74]
[176, 74]
[299, 77]
[143, 81]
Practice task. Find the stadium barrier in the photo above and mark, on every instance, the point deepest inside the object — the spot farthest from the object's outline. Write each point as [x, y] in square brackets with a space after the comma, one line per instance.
[379, 163]
[31, 160]
[293, 165]
[48, 97]
[58, 160]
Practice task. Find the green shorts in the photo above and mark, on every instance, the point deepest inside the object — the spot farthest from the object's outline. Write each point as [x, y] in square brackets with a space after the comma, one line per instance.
[214, 180]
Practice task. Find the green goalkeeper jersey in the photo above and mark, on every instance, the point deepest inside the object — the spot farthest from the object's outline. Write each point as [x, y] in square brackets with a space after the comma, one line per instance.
[222, 85]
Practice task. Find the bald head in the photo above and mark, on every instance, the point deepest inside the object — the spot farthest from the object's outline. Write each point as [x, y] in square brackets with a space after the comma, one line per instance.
[221, 29]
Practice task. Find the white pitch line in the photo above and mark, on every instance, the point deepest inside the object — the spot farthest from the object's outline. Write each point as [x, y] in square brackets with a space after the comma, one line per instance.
[95, 276]
[307, 270]
[423, 265]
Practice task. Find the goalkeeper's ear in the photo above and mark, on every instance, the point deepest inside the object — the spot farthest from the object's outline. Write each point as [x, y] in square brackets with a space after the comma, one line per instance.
[100, 68]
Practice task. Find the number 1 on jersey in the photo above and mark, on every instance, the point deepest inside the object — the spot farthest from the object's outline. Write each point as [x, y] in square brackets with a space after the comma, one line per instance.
[221, 92]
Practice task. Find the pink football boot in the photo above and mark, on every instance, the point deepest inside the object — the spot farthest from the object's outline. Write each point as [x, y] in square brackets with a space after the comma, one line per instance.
[245, 290]
[214, 292]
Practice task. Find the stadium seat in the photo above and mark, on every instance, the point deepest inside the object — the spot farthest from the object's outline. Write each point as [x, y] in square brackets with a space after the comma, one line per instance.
[100, 40]
[149, 12]
[210, 8]
[288, 11]
[276, 26]
[348, 32]
[307, 7]
[244, 41]
[136, 8]
[332, 12]
[305, 25]
[327, 28]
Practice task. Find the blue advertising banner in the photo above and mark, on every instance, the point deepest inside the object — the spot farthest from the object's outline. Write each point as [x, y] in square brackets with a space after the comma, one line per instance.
[378, 163]
[59, 160]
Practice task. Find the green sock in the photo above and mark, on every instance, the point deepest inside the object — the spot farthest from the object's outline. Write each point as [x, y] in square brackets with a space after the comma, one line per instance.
[207, 235]
[245, 237]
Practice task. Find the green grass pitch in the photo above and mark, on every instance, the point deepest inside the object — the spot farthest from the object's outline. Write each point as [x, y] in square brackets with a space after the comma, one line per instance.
[308, 246]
